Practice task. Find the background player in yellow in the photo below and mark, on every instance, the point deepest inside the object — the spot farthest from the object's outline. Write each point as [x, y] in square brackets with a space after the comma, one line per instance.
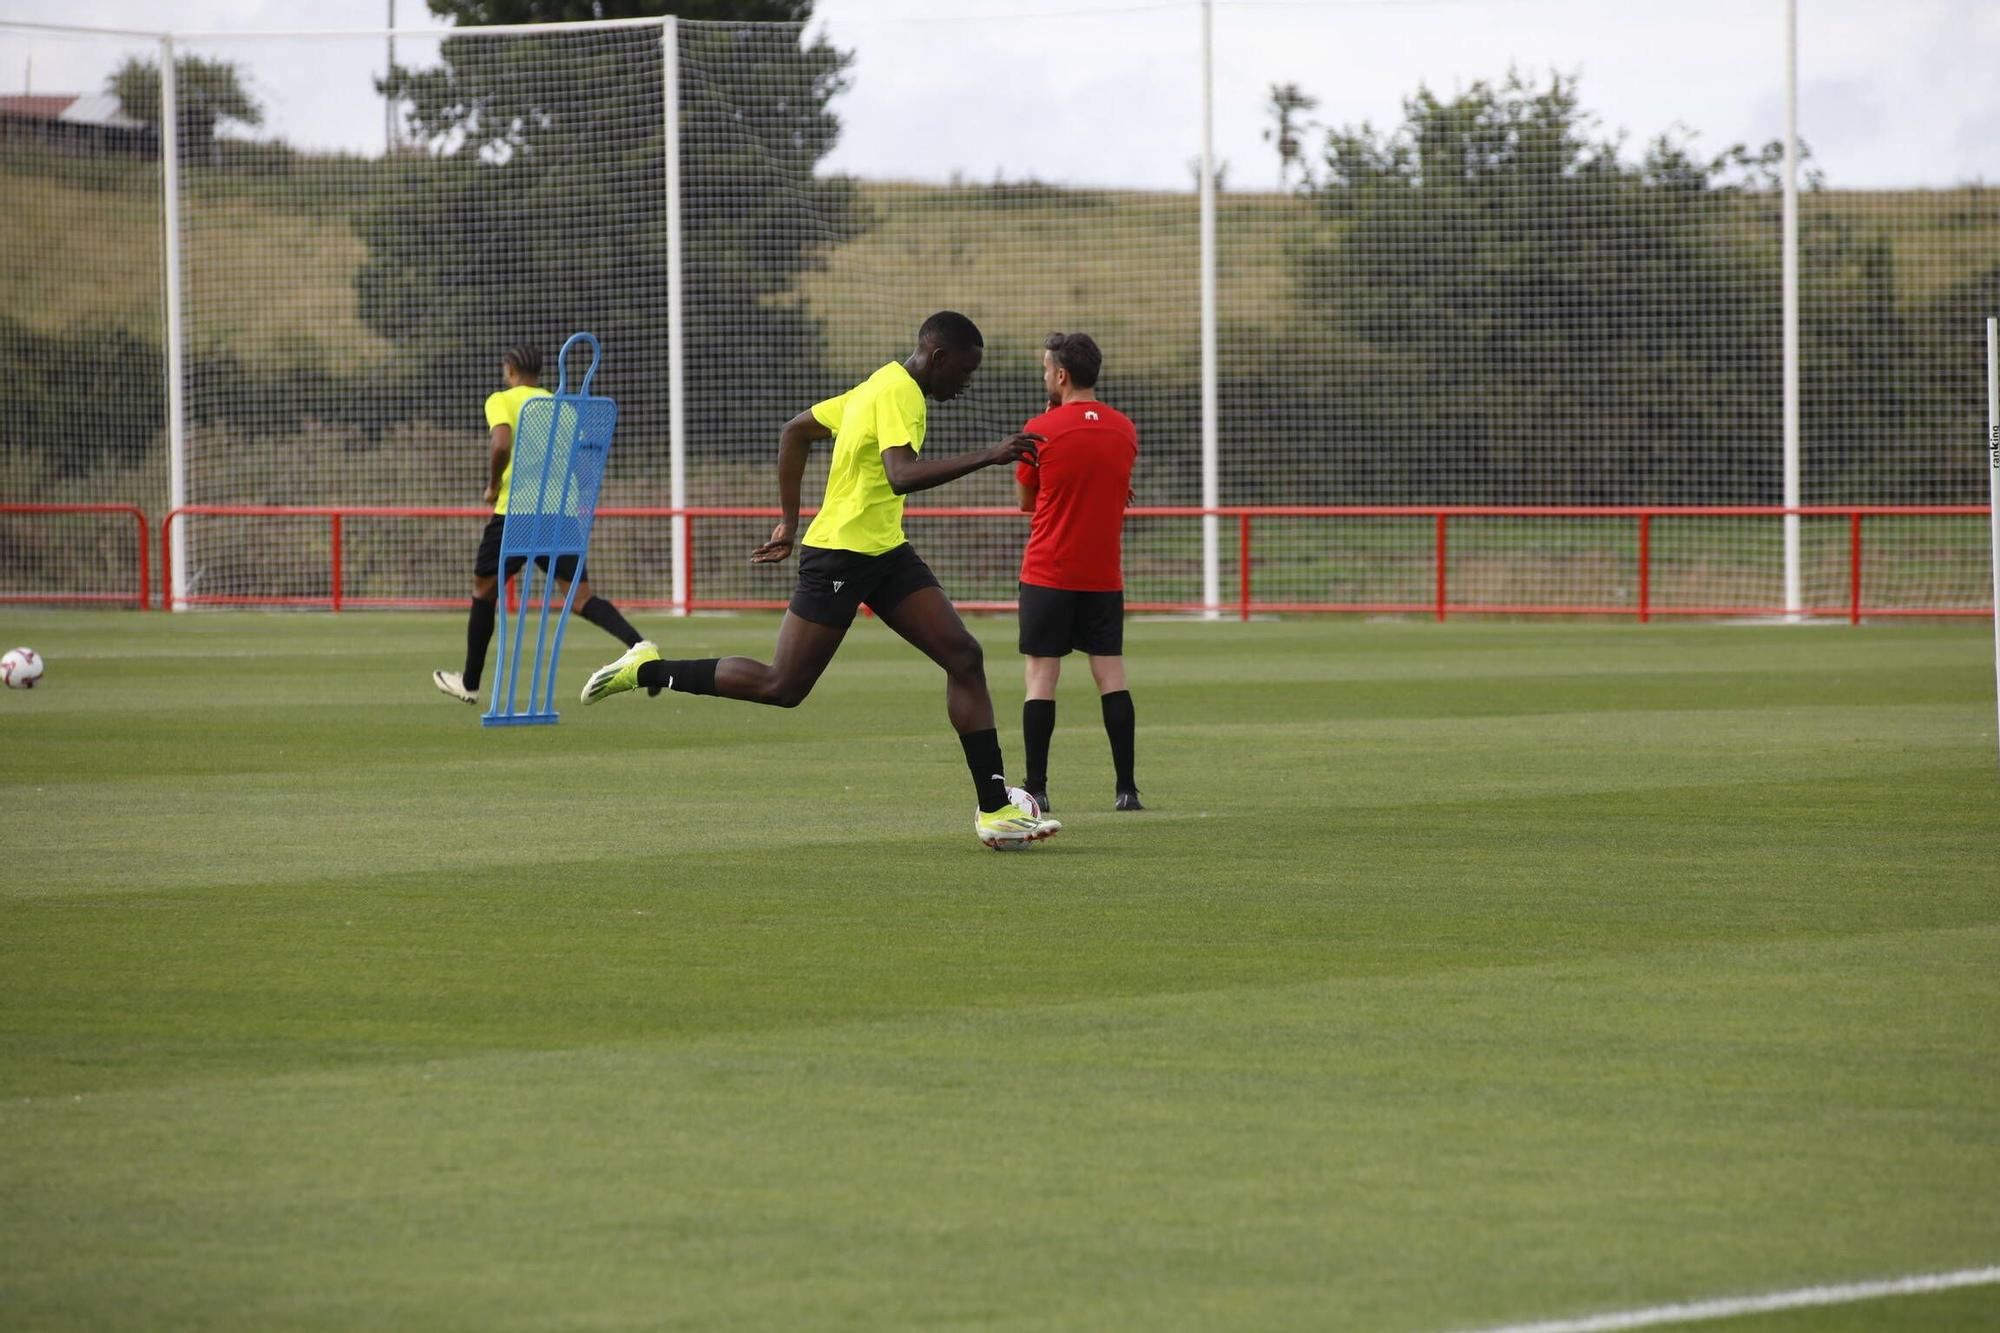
[855, 554]
[521, 368]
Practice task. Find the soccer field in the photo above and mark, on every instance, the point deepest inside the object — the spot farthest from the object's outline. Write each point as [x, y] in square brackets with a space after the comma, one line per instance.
[1456, 975]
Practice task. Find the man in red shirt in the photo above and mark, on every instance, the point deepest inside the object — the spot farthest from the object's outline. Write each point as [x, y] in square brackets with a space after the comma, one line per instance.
[1072, 580]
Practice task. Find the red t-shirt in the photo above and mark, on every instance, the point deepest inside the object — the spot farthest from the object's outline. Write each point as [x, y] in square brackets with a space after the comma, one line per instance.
[1084, 475]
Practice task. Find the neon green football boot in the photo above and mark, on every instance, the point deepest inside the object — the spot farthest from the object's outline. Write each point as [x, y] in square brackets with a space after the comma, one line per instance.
[622, 675]
[1010, 829]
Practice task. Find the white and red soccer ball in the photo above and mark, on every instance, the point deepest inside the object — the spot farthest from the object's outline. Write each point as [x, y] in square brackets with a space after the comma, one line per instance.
[20, 668]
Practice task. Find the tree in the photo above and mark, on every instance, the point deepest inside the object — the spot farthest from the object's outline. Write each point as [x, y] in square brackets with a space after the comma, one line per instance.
[479, 13]
[206, 92]
[1287, 105]
[531, 137]
[1219, 173]
[1541, 320]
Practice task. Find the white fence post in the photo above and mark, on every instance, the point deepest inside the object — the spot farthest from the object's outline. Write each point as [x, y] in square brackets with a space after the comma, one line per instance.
[170, 168]
[1211, 485]
[1794, 591]
[670, 51]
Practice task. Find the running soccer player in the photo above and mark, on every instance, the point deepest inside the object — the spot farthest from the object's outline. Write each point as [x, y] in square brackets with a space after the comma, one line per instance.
[855, 554]
[521, 367]
[1072, 579]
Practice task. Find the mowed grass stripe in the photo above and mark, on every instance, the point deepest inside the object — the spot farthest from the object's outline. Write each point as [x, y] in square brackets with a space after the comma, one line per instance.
[1815, 784]
[1387, 1152]
[763, 935]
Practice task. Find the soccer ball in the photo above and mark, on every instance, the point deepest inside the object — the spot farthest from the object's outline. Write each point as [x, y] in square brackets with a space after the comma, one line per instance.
[21, 668]
[1022, 799]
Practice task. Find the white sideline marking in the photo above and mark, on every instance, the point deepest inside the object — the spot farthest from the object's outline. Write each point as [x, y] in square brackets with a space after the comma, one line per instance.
[1729, 1307]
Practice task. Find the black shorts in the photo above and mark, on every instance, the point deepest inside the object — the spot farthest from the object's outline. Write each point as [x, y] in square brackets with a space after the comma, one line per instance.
[487, 562]
[1056, 620]
[833, 585]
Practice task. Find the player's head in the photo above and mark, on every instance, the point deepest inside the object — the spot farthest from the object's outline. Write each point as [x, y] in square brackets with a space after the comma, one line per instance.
[1069, 361]
[522, 364]
[949, 349]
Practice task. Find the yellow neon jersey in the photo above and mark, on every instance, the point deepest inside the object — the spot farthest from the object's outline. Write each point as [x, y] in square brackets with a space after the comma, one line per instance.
[860, 513]
[504, 409]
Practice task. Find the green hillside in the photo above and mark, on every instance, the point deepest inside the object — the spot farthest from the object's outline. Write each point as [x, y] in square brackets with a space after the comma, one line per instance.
[84, 251]
[1937, 238]
[1025, 259]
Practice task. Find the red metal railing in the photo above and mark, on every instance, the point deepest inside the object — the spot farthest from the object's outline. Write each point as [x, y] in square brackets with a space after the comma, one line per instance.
[141, 594]
[337, 598]
[1440, 605]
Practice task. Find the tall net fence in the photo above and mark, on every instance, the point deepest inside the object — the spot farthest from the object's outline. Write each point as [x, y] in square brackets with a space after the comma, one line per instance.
[1481, 295]
[1024, 258]
[1468, 293]
[346, 314]
[82, 375]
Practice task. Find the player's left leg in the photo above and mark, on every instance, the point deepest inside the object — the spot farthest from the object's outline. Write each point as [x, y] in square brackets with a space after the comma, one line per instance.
[1100, 633]
[1120, 724]
[927, 620]
[1108, 670]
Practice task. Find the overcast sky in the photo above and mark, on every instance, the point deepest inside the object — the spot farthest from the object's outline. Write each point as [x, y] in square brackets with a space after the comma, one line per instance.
[1107, 92]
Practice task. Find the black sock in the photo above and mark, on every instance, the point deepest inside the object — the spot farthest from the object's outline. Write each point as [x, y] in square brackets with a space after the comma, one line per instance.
[600, 612]
[478, 633]
[1118, 725]
[695, 676]
[982, 756]
[1038, 723]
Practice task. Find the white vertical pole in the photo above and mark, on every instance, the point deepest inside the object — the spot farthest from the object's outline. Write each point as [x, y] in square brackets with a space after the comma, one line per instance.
[1794, 596]
[670, 55]
[1993, 481]
[389, 98]
[170, 171]
[1211, 485]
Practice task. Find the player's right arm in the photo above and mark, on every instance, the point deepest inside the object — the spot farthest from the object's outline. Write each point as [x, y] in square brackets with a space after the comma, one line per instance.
[907, 472]
[500, 448]
[795, 443]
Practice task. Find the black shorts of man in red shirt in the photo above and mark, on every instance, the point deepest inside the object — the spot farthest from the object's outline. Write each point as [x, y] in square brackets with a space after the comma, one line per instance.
[1072, 579]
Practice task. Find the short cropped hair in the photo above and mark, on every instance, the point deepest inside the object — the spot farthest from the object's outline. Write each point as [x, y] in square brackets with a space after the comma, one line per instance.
[950, 330]
[1078, 354]
[526, 359]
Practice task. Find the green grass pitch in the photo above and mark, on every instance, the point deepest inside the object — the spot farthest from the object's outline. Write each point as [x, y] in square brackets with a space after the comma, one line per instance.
[1458, 975]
